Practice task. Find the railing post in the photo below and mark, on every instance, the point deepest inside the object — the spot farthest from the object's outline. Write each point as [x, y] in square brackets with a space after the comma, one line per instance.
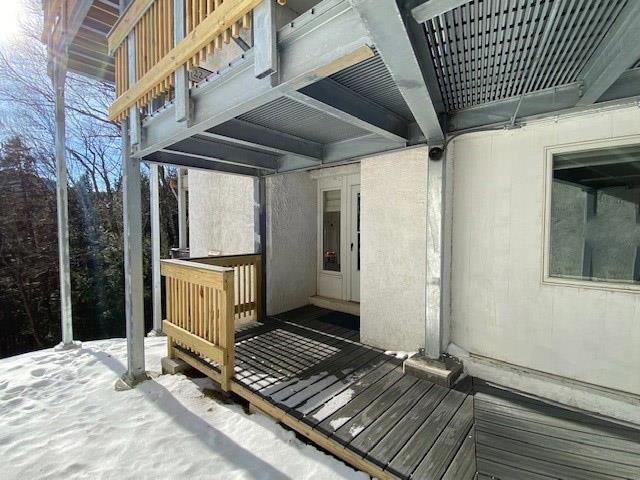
[182, 100]
[227, 330]
[265, 44]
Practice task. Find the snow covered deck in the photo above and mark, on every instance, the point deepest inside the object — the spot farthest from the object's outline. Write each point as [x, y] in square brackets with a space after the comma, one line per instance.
[307, 370]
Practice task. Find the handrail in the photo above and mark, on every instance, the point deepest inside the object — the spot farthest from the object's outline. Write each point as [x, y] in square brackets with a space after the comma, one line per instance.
[209, 24]
[200, 313]
[247, 282]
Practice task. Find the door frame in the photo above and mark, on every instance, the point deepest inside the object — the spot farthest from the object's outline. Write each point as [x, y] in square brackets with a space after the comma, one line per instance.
[331, 284]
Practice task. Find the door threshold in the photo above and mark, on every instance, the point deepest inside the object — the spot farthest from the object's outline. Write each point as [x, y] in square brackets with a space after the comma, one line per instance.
[344, 306]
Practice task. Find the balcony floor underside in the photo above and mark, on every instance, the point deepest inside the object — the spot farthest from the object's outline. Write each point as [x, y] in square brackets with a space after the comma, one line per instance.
[308, 371]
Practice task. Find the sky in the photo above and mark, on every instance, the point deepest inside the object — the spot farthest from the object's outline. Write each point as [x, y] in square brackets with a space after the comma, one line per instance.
[12, 13]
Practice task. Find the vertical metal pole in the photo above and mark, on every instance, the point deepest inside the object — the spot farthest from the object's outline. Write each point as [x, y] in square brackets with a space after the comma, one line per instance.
[183, 239]
[156, 286]
[265, 43]
[59, 77]
[182, 102]
[434, 264]
[133, 281]
[260, 234]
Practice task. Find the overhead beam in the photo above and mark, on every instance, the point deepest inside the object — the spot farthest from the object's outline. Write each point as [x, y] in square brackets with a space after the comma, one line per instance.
[544, 102]
[225, 153]
[386, 26]
[434, 8]
[615, 54]
[255, 136]
[344, 104]
[236, 90]
[177, 159]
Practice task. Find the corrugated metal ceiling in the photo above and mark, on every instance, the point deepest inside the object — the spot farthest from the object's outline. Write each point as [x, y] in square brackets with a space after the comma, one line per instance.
[295, 118]
[372, 80]
[484, 50]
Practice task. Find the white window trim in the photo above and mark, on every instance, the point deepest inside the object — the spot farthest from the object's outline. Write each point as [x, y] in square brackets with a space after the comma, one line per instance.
[549, 152]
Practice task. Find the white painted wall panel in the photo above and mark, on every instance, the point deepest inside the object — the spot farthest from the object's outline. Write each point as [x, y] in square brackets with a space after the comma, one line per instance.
[393, 236]
[221, 213]
[500, 306]
[291, 241]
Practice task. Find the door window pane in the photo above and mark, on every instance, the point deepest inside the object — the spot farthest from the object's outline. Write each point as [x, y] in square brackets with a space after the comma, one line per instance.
[331, 230]
[595, 216]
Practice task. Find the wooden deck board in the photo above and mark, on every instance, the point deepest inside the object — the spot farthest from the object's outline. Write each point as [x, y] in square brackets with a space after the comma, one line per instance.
[347, 397]
[355, 402]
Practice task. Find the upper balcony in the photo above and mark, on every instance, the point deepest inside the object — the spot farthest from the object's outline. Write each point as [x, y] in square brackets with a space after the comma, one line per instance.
[255, 87]
[77, 29]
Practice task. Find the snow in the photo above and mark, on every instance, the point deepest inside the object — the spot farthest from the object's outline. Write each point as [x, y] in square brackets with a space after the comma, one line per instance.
[400, 354]
[62, 418]
[334, 404]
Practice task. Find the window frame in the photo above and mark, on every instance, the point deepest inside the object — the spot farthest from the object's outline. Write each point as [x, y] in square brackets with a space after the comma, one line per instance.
[577, 147]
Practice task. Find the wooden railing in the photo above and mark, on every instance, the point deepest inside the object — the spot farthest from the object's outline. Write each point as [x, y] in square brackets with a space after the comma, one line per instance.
[247, 283]
[208, 24]
[200, 314]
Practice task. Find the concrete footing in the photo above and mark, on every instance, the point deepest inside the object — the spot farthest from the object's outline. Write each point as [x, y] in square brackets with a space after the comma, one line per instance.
[61, 347]
[444, 371]
[156, 333]
[172, 366]
[127, 382]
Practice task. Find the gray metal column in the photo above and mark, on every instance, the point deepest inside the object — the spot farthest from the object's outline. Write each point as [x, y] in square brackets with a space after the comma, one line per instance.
[183, 239]
[436, 177]
[156, 283]
[260, 233]
[59, 77]
[183, 110]
[133, 280]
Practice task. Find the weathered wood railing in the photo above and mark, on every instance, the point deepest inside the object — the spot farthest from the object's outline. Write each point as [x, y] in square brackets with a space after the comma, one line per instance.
[200, 314]
[207, 25]
[247, 283]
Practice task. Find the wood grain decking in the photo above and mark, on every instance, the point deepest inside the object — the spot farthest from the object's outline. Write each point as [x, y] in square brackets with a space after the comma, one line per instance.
[307, 370]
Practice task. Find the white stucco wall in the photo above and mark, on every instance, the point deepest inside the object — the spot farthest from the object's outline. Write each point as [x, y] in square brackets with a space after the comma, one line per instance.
[221, 213]
[500, 307]
[291, 241]
[393, 235]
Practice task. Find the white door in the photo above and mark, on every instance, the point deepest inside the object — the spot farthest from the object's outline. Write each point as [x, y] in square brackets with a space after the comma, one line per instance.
[355, 243]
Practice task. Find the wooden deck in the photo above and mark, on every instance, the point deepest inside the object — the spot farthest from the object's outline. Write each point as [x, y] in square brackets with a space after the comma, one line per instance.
[307, 369]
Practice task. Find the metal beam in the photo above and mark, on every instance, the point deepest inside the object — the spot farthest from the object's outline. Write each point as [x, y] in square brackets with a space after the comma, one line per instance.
[385, 24]
[177, 159]
[255, 136]
[156, 283]
[535, 103]
[434, 8]
[338, 101]
[225, 153]
[181, 76]
[235, 90]
[615, 54]
[544, 102]
[265, 41]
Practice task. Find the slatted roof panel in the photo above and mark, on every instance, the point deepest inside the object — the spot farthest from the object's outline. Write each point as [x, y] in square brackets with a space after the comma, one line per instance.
[298, 119]
[485, 50]
[372, 80]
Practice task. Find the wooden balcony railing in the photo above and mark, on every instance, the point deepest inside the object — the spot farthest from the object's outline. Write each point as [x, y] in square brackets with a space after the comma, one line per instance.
[207, 24]
[247, 283]
[200, 314]
[205, 299]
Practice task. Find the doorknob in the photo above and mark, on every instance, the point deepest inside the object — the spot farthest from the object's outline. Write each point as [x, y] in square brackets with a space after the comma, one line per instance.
[351, 246]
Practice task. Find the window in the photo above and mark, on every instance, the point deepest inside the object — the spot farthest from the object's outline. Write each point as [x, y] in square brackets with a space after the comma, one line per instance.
[594, 215]
[331, 203]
